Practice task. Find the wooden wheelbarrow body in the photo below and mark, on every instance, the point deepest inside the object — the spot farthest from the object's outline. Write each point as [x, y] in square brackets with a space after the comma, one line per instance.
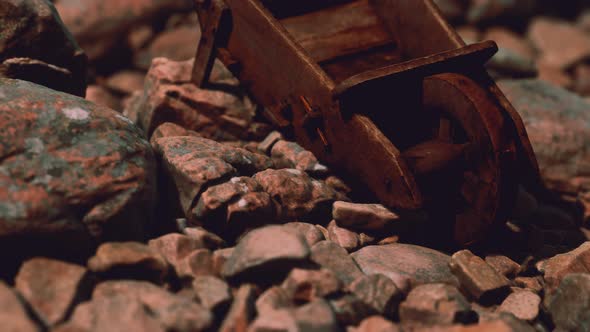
[383, 91]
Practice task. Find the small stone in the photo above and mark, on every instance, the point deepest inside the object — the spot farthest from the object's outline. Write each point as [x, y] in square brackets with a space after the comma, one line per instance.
[173, 312]
[366, 240]
[301, 197]
[272, 299]
[266, 145]
[125, 81]
[556, 268]
[407, 265]
[331, 256]
[197, 263]
[314, 316]
[307, 285]
[436, 304]
[169, 129]
[478, 278]
[52, 287]
[212, 293]
[208, 239]
[101, 96]
[311, 232]
[242, 310]
[569, 305]
[503, 265]
[345, 238]
[560, 43]
[219, 257]
[530, 283]
[377, 324]
[378, 292]
[363, 217]
[522, 304]
[265, 252]
[174, 247]
[350, 310]
[128, 260]
[287, 154]
[13, 313]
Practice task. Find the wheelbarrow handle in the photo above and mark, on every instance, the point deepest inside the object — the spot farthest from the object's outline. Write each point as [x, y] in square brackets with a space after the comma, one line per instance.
[215, 29]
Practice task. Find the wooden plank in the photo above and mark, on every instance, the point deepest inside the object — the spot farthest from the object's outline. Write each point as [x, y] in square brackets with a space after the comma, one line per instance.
[338, 31]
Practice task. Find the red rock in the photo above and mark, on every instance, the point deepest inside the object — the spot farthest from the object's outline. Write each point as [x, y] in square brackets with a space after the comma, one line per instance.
[377, 324]
[94, 23]
[272, 299]
[522, 304]
[345, 238]
[556, 268]
[560, 43]
[407, 265]
[314, 316]
[74, 174]
[174, 247]
[129, 260]
[311, 233]
[212, 293]
[266, 145]
[125, 81]
[13, 313]
[194, 163]
[373, 217]
[197, 263]
[287, 154]
[529, 283]
[503, 265]
[52, 287]
[172, 312]
[37, 47]
[300, 196]
[169, 96]
[350, 310]
[478, 278]
[209, 240]
[242, 310]
[101, 96]
[306, 285]
[169, 129]
[331, 256]
[263, 250]
[241, 201]
[569, 306]
[176, 44]
[379, 293]
[435, 304]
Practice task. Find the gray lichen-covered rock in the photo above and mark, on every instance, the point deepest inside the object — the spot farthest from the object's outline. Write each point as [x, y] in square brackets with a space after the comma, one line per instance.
[558, 125]
[72, 174]
[36, 46]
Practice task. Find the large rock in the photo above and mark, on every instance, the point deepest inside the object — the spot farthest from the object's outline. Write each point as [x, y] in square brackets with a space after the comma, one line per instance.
[558, 125]
[100, 25]
[35, 46]
[191, 164]
[169, 96]
[557, 267]
[72, 174]
[52, 287]
[570, 305]
[407, 265]
[13, 313]
[300, 196]
[264, 253]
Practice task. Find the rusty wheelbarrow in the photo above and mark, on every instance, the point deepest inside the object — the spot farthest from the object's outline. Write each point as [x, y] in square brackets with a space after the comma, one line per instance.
[384, 91]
